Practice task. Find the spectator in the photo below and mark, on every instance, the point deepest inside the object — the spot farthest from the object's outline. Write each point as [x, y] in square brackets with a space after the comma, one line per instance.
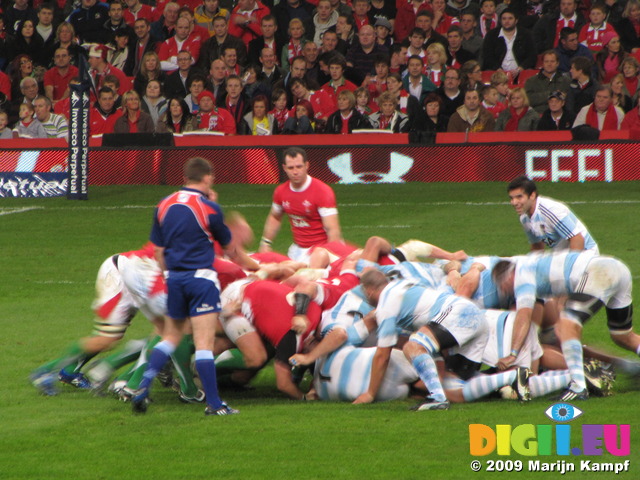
[230, 59]
[301, 122]
[630, 69]
[153, 102]
[456, 55]
[592, 34]
[556, 117]
[488, 17]
[45, 30]
[258, 121]
[519, 116]
[135, 10]
[235, 101]
[377, 84]
[57, 79]
[287, 10]
[195, 30]
[361, 14]
[602, 113]
[133, 119]
[407, 103]
[569, 48]
[471, 40]
[500, 80]
[457, 8]
[441, 20]
[253, 86]
[270, 72]
[293, 47]
[298, 69]
[346, 119]
[322, 104]
[325, 18]
[415, 82]
[165, 27]
[471, 116]
[119, 53]
[383, 29]
[16, 14]
[582, 88]
[363, 52]
[609, 59]
[28, 126]
[388, 117]
[629, 26]
[176, 83]
[490, 101]
[54, 125]
[620, 97]
[406, 17]
[546, 32]
[345, 28]
[471, 76]
[449, 92]
[216, 81]
[182, 40]
[21, 68]
[337, 83]
[268, 39]
[143, 44]
[631, 121]
[27, 43]
[416, 43]
[196, 85]
[99, 68]
[112, 82]
[6, 44]
[103, 115]
[436, 63]
[435, 119]
[213, 119]
[245, 20]
[115, 23]
[5, 132]
[508, 48]
[88, 20]
[363, 101]
[176, 118]
[332, 43]
[310, 54]
[279, 110]
[5, 87]
[149, 70]
[548, 80]
[205, 14]
[398, 58]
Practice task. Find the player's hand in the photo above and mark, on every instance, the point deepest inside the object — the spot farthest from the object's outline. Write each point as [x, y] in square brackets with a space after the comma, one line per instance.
[299, 359]
[212, 195]
[366, 397]
[312, 395]
[506, 362]
[299, 324]
[460, 255]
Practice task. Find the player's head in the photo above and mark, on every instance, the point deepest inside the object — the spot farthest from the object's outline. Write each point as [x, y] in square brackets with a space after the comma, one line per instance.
[523, 194]
[503, 275]
[196, 170]
[241, 233]
[295, 165]
[373, 282]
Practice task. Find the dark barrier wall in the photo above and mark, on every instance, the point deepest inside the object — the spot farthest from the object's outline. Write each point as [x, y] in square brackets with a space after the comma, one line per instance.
[604, 161]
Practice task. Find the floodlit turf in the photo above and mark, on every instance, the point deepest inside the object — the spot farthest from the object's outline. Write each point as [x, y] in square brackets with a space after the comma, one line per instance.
[51, 251]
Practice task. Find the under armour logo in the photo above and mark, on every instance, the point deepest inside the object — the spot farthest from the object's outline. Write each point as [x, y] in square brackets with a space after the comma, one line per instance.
[399, 166]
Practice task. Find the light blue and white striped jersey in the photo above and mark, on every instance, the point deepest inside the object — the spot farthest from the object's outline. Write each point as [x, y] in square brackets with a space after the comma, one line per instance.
[487, 295]
[427, 274]
[347, 314]
[553, 223]
[404, 307]
[548, 275]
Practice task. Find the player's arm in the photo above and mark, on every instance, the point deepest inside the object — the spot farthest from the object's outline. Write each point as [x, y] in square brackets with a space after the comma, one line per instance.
[331, 342]
[520, 332]
[284, 382]
[271, 229]
[470, 281]
[331, 225]
[576, 242]
[536, 246]
[239, 256]
[378, 369]
[158, 253]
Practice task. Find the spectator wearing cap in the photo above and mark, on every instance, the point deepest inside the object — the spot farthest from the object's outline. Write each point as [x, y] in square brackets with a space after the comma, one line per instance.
[88, 20]
[133, 119]
[57, 79]
[213, 119]
[602, 113]
[383, 28]
[548, 80]
[556, 117]
[99, 68]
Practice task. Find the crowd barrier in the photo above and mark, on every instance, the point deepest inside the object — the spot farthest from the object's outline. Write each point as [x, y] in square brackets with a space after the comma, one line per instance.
[39, 169]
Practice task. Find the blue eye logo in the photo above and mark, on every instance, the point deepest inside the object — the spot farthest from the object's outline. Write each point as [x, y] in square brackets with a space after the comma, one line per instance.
[562, 412]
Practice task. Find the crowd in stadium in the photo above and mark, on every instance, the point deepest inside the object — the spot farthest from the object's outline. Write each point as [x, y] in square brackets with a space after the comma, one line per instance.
[321, 66]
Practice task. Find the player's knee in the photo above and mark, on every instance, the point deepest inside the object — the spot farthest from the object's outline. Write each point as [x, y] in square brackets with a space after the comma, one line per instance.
[620, 319]
[255, 359]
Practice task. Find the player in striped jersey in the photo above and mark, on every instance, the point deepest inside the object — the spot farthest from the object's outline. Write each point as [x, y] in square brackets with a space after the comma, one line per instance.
[589, 281]
[435, 319]
[548, 222]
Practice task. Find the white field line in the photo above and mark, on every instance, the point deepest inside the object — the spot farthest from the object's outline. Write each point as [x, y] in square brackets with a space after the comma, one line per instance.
[9, 211]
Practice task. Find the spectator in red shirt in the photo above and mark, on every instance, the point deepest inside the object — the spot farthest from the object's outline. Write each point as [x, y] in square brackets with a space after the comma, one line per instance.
[56, 79]
[103, 115]
[212, 118]
[245, 20]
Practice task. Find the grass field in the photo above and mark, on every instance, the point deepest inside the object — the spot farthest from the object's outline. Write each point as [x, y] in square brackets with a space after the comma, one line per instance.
[51, 251]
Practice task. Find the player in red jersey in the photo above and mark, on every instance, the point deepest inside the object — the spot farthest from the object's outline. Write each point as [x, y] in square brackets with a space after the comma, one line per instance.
[310, 205]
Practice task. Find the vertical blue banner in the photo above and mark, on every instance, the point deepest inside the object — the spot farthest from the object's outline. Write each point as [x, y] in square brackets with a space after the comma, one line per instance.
[78, 173]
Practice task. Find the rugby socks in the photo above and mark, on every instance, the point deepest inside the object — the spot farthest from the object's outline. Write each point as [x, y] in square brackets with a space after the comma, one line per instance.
[105, 368]
[135, 376]
[428, 372]
[548, 382]
[482, 385]
[159, 356]
[230, 360]
[182, 362]
[71, 356]
[206, 368]
[572, 351]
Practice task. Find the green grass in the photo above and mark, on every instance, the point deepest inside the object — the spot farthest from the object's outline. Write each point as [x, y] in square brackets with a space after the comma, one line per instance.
[51, 254]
